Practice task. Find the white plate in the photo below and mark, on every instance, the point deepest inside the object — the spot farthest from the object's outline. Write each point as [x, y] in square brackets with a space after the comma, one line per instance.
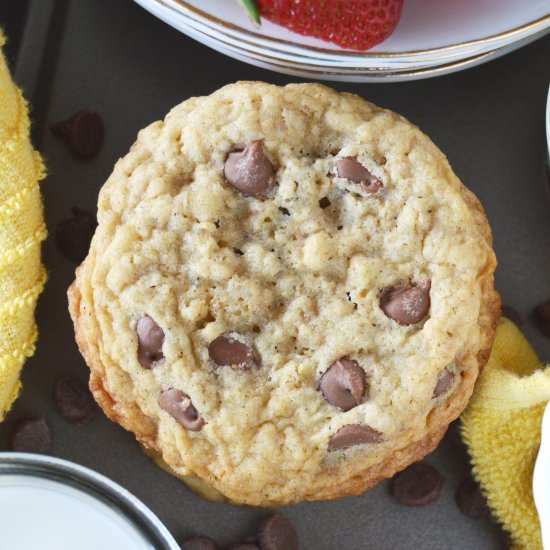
[329, 73]
[426, 25]
[460, 34]
[541, 479]
[428, 28]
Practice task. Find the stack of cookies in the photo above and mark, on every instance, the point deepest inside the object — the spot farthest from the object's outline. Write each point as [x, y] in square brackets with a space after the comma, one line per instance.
[289, 295]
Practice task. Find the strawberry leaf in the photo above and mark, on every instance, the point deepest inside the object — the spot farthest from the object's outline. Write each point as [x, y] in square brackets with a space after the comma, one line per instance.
[251, 10]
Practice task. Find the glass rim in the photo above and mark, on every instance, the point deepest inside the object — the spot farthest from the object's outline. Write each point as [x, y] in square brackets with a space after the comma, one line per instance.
[95, 485]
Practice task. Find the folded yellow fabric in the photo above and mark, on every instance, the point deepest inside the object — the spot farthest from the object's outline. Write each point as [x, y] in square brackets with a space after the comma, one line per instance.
[22, 229]
[501, 428]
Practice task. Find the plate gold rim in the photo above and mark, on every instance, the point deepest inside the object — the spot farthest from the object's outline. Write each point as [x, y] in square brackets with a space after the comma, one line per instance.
[198, 14]
[383, 74]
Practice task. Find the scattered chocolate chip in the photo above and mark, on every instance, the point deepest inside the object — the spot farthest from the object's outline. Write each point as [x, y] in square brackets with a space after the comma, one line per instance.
[513, 315]
[542, 317]
[471, 501]
[249, 543]
[284, 211]
[217, 223]
[544, 327]
[238, 251]
[343, 384]
[150, 340]
[82, 132]
[453, 435]
[198, 543]
[350, 169]
[542, 311]
[406, 304]
[178, 404]
[444, 381]
[340, 227]
[73, 235]
[228, 351]
[250, 171]
[353, 434]
[506, 541]
[324, 203]
[30, 435]
[418, 485]
[73, 400]
[277, 533]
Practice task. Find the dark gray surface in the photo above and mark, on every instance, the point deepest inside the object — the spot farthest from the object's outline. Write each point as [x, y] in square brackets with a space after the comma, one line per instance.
[114, 57]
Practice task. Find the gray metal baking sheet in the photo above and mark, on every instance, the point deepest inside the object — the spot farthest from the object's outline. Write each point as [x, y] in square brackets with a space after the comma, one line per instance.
[111, 56]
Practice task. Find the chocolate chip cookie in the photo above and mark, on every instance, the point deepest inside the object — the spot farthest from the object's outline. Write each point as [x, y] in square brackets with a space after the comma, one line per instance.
[289, 294]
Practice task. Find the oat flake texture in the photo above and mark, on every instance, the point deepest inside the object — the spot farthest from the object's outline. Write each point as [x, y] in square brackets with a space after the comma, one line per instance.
[296, 281]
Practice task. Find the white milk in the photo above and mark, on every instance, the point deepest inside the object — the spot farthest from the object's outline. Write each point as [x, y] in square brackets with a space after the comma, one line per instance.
[40, 514]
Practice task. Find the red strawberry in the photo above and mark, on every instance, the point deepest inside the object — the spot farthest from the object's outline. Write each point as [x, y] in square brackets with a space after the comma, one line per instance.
[354, 24]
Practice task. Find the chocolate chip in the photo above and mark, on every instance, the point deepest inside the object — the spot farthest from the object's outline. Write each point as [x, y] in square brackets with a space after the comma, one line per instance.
[250, 171]
[277, 533]
[343, 384]
[506, 541]
[471, 501]
[544, 328]
[542, 311]
[249, 543]
[198, 543]
[73, 235]
[372, 186]
[150, 339]
[444, 381]
[418, 485]
[353, 434]
[513, 315]
[73, 400]
[324, 203]
[406, 304]
[453, 435]
[542, 317]
[227, 350]
[82, 132]
[238, 251]
[284, 211]
[178, 404]
[31, 435]
[350, 169]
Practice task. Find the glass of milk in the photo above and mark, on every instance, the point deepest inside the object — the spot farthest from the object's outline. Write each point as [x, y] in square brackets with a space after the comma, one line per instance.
[51, 504]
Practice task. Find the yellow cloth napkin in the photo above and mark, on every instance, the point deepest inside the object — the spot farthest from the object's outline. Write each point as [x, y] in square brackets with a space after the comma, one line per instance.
[501, 428]
[22, 229]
